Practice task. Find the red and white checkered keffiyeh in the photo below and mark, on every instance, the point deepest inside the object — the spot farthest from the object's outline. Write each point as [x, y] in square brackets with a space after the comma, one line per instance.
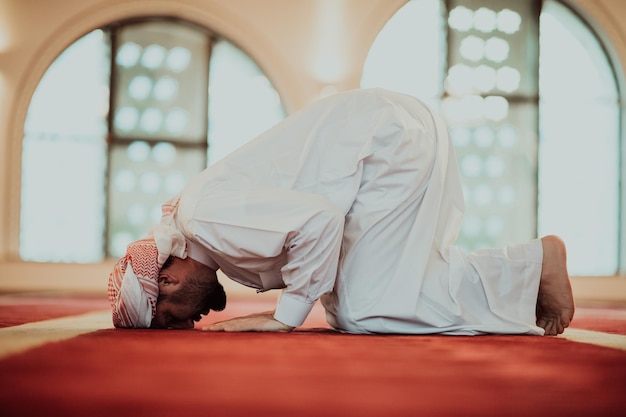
[133, 285]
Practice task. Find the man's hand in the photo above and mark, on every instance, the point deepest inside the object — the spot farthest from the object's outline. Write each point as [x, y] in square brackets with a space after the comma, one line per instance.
[259, 322]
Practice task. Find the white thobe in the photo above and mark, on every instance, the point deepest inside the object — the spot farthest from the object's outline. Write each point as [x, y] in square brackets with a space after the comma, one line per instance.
[357, 200]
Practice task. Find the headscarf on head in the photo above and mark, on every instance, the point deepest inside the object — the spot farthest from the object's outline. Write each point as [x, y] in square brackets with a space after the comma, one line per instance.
[134, 283]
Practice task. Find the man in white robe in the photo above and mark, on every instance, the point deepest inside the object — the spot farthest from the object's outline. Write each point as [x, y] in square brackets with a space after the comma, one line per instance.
[356, 201]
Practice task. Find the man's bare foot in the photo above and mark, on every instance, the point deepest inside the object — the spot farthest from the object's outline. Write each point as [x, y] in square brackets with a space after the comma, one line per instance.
[555, 302]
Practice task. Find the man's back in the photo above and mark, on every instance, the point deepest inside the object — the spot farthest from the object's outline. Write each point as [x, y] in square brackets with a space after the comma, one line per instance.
[321, 149]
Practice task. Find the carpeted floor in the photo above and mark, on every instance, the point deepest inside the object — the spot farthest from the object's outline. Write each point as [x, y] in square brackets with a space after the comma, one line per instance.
[16, 309]
[310, 372]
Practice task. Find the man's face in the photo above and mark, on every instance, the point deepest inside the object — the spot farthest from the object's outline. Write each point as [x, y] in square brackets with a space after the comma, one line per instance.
[170, 315]
[173, 316]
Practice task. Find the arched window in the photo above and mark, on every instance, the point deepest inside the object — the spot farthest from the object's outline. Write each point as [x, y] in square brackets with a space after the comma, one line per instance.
[118, 124]
[532, 103]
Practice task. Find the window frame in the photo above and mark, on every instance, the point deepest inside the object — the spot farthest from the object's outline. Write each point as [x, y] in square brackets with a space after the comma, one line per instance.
[582, 21]
[114, 139]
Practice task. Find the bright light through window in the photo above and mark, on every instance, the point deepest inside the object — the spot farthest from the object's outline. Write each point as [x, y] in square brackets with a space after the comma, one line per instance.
[417, 70]
[238, 92]
[64, 157]
[70, 210]
[578, 146]
[489, 102]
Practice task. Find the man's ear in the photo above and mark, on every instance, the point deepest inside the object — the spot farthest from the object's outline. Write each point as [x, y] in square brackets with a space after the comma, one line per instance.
[168, 283]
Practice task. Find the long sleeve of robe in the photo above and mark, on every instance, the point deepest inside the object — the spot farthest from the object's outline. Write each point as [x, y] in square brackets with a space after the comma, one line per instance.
[297, 247]
[356, 200]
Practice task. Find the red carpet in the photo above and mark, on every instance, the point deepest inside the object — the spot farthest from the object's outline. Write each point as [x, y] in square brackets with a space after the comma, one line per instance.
[20, 309]
[312, 372]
